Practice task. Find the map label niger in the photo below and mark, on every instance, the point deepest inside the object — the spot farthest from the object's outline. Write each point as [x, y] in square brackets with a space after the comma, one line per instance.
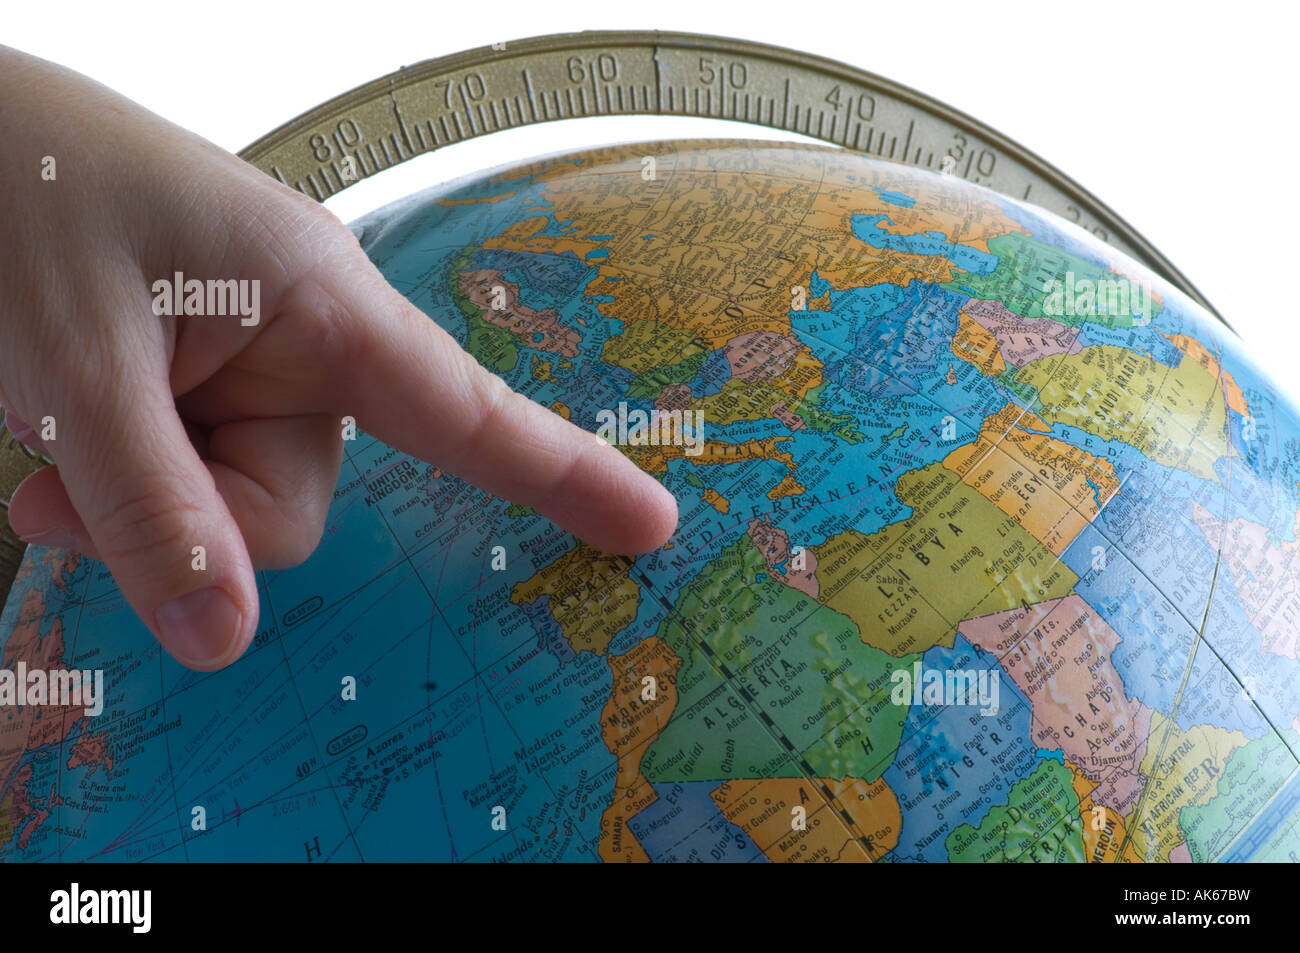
[67, 688]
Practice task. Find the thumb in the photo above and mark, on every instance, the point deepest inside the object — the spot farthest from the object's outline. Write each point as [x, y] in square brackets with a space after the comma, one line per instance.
[154, 516]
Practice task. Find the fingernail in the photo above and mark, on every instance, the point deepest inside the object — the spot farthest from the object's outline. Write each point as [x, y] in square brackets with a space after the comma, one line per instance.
[55, 536]
[199, 627]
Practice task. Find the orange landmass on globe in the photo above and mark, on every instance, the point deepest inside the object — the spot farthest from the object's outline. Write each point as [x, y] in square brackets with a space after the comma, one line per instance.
[717, 500]
[23, 806]
[26, 727]
[654, 459]
[31, 815]
[1104, 837]
[477, 200]
[91, 750]
[628, 723]
[977, 345]
[763, 809]
[1053, 489]
[788, 486]
[725, 275]
[591, 596]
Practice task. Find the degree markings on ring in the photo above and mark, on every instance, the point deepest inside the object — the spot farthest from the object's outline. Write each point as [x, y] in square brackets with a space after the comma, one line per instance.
[439, 102]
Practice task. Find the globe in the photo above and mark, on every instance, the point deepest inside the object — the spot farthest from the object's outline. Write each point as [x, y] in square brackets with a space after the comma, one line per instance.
[988, 552]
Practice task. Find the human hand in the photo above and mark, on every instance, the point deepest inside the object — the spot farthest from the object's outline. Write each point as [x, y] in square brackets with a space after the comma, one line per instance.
[177, 432]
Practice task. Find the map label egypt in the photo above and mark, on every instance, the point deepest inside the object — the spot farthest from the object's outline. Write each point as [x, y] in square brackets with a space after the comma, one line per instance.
[69, 688]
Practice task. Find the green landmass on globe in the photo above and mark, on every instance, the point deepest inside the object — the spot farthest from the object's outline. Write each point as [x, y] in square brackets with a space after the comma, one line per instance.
[988, 552]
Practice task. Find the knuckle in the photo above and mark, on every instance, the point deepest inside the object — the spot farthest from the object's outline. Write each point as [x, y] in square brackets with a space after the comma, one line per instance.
[273, 235]
[145, 525]
[343, 347]
[300, 549]
[296, 525]
[311, 226]
[299, 535]
[494, 399]
[278, 234]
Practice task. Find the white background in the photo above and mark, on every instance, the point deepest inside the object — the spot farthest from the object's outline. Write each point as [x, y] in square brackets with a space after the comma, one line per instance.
[1180, 116]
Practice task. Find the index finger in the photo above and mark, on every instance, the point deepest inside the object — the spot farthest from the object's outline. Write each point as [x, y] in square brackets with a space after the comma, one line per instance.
[415, 388]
